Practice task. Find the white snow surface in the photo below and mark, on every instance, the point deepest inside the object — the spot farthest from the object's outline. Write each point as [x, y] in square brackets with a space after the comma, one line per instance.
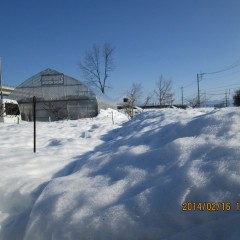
[92, 179]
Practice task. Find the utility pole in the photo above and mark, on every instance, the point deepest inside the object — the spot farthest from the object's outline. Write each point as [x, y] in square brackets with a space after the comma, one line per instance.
[1, 92]
[182, 95]
[198, 97]
[226, 98]
[229, 97]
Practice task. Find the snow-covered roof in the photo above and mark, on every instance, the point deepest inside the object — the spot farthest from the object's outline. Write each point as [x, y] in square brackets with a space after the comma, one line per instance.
[6, 100]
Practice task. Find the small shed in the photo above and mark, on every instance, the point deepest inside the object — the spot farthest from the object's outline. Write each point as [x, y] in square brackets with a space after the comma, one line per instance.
[58, 97]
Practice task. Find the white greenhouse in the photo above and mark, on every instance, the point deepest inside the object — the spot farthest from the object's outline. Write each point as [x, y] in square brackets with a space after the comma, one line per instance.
[58, 97]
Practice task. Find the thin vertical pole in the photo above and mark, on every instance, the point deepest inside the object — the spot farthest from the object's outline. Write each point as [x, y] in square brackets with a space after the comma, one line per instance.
[182, 96]
[34, 124]
[198, 100]
[226, 98]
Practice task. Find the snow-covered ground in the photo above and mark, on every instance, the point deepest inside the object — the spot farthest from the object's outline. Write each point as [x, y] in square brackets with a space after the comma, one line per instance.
[91, 179]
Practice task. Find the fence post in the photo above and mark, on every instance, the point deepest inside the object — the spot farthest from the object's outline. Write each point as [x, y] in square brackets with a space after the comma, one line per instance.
[112, 118]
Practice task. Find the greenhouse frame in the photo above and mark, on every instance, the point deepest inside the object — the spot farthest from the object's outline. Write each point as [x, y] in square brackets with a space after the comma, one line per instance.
[58, 97]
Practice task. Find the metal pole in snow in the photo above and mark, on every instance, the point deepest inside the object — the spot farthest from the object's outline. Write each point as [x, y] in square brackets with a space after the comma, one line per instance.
[34, 124]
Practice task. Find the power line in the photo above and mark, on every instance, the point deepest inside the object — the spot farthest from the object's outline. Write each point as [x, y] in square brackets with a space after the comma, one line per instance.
[200, 75]
[225, 86]
[234, 65]
[215, 94]
[223, 76]
[189, 85]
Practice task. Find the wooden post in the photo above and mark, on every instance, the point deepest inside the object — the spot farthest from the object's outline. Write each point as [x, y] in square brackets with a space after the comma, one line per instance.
[34, 124]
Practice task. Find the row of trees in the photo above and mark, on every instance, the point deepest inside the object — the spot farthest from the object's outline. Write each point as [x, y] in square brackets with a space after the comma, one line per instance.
[162, 94]
[98, 63]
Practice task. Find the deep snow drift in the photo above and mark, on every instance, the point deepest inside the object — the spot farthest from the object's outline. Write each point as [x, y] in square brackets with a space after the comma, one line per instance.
[94, 180]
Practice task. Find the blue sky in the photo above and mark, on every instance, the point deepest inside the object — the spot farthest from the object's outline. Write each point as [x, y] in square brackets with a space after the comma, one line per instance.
[177, 39]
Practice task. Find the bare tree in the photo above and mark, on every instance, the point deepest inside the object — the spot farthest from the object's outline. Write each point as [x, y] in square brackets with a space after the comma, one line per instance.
[169, 99]
[193, 102]
[97, 65]
[133, 96]
[53, 110]
[163, 91]
[149, 98]
[236, 98]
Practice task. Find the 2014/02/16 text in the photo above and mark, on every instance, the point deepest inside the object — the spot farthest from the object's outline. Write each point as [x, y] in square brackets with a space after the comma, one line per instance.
[207, 206]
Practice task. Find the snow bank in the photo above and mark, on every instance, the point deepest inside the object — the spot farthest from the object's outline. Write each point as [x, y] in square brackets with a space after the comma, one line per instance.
[136, 180]
[23, 174]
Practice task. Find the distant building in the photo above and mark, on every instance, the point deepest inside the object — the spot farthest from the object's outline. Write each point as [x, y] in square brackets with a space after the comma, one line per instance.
[58, 97]
[6, 90]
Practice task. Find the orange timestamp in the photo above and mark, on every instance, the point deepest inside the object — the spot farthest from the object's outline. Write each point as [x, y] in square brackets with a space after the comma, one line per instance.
[208, 206]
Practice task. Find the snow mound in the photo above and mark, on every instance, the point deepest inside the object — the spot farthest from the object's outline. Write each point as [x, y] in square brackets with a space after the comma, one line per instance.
[134, 187]
[139, 179]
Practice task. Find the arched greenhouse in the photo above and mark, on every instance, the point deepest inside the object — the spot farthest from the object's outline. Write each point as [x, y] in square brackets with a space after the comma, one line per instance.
[58, 97]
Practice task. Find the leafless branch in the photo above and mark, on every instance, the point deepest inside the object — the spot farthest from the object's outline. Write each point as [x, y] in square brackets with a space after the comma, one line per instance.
[193, 102]
[97, 65]
[133, 95]
[163, 91]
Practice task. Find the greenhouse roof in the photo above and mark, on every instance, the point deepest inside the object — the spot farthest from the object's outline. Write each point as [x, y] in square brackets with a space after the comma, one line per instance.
[52, 85]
